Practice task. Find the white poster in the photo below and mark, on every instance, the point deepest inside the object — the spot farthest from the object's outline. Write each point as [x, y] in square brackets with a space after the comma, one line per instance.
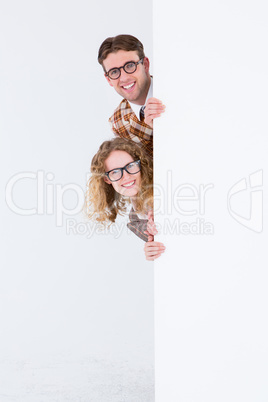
[211, 300]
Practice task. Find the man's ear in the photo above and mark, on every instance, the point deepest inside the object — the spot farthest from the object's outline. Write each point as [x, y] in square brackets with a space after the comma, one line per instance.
[146, 64]
[108, 79]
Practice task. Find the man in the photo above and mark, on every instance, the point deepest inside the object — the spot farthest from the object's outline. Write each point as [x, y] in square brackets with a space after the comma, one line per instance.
[126, 69]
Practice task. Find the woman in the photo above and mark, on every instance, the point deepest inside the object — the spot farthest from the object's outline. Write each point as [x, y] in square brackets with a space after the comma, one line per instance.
[123, 174]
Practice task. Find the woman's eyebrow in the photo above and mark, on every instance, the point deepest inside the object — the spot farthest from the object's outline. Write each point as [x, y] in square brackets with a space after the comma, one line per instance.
[121, 166]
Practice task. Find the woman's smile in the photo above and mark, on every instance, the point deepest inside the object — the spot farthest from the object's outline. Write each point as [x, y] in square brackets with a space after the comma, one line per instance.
[129, 184]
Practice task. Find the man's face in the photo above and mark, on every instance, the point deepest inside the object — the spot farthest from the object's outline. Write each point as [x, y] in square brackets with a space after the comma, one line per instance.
[133, 87]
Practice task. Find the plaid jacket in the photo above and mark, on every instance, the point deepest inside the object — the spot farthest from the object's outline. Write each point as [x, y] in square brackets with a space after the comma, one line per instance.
[137, 225]
[125, 124]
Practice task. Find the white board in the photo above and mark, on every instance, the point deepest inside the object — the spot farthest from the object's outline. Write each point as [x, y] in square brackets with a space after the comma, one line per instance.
[211, 299]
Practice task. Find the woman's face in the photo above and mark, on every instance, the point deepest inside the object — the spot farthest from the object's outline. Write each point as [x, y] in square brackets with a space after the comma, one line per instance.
[129, 184]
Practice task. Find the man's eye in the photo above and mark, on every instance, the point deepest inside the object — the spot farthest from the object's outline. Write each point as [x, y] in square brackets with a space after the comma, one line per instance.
[130, 66]
[113, 73]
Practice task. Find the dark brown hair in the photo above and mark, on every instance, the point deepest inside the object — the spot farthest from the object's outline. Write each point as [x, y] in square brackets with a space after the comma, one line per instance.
[120, 42]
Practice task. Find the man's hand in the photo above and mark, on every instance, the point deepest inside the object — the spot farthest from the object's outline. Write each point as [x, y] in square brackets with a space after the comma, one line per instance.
[153, 108]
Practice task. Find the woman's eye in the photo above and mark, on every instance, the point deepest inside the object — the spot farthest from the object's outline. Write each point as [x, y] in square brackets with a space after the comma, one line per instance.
[114, 173]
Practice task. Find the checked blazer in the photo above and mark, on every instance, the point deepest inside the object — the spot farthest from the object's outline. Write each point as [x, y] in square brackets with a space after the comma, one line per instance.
[125, 124]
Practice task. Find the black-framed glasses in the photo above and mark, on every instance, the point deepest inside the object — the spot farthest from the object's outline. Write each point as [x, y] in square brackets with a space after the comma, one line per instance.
[131, 168]
[129, 67]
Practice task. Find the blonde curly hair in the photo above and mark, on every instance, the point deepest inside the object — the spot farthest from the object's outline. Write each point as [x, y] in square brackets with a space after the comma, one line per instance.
[102, 202]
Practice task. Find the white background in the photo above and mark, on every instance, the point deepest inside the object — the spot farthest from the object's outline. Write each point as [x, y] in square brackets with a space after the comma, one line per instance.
[76, 313]
[211, 300]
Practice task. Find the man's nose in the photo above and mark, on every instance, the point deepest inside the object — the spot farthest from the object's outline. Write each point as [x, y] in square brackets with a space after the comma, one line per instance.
[124, 76]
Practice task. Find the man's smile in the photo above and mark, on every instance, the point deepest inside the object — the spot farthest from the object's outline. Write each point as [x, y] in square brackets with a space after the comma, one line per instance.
[128, 87]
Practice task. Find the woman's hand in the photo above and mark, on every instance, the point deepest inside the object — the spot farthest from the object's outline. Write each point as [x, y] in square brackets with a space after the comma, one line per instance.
[151, 228]
[153, 249]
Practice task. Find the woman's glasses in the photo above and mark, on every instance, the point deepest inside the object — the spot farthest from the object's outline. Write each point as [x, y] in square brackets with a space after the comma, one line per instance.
[117, 174]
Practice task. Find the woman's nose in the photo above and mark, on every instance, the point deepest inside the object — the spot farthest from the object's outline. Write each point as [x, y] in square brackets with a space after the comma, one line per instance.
[125, 174]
